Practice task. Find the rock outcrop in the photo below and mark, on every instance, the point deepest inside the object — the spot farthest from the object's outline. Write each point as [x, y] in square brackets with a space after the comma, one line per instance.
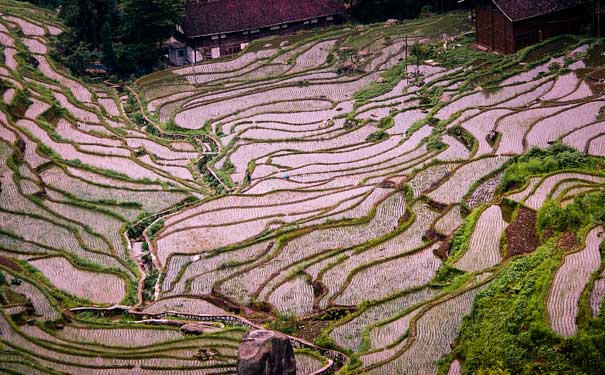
[264, 352]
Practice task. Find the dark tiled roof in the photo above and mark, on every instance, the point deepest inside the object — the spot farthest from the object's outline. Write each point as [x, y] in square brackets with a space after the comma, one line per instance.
[205, 17]
[517, 10]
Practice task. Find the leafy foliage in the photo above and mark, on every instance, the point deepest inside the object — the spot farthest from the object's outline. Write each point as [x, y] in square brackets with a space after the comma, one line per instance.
[509, 317]
[586, 210]
[125, 35]
[286, 323]
[538, 161]
[377, 136]
[390, 79]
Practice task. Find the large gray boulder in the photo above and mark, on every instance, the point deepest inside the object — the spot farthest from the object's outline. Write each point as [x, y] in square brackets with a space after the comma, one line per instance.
[266, 352]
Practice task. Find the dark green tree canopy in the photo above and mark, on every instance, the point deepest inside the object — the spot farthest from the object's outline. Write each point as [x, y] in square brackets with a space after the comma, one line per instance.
[124, 34]
[147, 21]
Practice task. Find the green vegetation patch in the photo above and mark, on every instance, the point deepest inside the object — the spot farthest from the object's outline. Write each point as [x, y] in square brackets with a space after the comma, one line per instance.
[538, 161]
[377, 136]
[586, 210]
[509, 318]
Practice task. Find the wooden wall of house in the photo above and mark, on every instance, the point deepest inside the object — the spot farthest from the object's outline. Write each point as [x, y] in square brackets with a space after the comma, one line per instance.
[232, 42]
[484, 26]
[494, 31]
[497, 33]
[535, 30]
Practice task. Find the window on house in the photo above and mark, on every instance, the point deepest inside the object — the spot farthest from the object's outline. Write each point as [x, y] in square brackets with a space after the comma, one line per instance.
[314, 20]
[329, 18]
[180, 53]
[231, 50]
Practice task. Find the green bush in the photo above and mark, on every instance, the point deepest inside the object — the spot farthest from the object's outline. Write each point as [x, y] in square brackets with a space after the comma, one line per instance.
[538, 161]
[155, 228]
[552, 216]
[138, 118]
[286, 323]
[19, 104]
[386, 123]
[446, 274]
[149, 284]
[434, 143]
[463, 136]
[586, 210]
[377, 136]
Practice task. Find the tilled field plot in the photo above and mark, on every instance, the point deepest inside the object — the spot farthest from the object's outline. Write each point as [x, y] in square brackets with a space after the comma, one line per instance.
[363, 208]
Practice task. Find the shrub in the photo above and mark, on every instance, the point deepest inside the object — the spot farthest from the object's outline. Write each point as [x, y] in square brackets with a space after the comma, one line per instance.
[286, 323]
[149, 284]
[586, 210]
[19, 104]
[558, 219]
[386, 123]
[131, 104]
[538, 161]
[446, 274]
[377, 136]
[435, 144]
[155, 228]
[463, 136]
[138, 118]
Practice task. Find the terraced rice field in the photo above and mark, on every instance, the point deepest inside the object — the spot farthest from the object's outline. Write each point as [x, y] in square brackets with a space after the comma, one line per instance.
[275, 186]
[569, 282]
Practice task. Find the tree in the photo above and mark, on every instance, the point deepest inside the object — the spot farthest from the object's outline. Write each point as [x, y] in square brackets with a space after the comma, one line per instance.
[419, 53]
[79, 59]
[149, 21]
[46, 3]
[86, 18]
[126, 34]
[107, 49]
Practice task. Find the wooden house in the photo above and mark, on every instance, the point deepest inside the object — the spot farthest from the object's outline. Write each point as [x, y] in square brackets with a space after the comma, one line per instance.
[215, 28]
[506, 26]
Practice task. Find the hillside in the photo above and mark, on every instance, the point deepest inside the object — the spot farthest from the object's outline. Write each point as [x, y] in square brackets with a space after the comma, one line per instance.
[396, 211]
